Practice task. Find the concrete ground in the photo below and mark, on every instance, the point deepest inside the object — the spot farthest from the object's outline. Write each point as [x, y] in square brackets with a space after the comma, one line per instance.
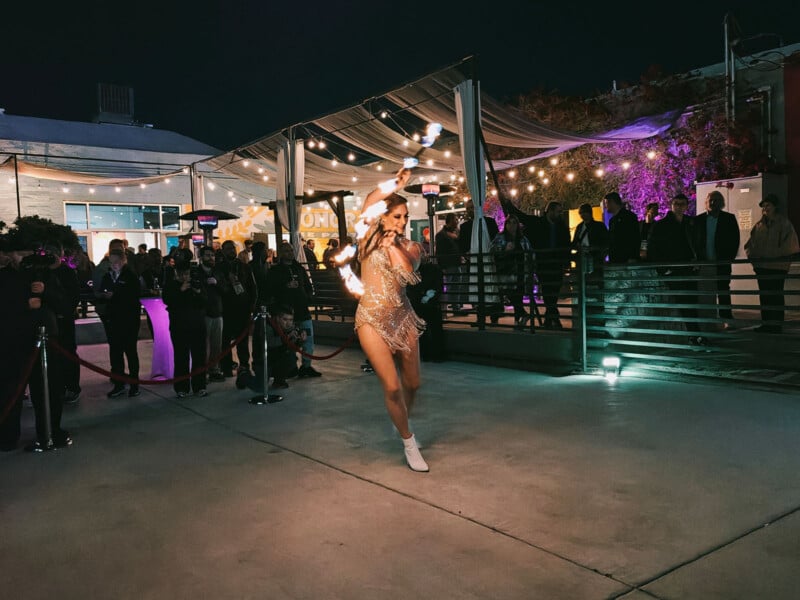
[540, 487]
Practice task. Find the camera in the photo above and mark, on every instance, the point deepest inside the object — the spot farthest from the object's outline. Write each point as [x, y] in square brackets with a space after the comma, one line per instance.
[196, 277]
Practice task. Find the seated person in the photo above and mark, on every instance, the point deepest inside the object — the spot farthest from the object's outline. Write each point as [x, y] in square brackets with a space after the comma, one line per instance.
[283, 339]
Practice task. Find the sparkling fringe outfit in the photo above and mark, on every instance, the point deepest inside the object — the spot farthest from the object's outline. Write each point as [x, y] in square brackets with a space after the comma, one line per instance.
[384, 304]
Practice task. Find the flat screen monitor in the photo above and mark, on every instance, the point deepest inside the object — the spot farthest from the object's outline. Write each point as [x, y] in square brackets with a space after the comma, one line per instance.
[207, 220]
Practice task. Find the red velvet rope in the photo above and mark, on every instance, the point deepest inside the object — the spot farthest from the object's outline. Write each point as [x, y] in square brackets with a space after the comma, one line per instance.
[131, 380]
[347, 343]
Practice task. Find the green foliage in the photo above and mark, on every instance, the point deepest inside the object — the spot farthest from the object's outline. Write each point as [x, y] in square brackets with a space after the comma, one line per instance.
[702, 146]
[33, 230]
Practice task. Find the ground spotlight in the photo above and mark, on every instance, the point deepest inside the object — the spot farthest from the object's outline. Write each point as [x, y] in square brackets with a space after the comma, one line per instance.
[611, 366]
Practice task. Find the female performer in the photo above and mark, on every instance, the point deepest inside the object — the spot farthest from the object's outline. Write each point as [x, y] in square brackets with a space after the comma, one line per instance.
[388, 328]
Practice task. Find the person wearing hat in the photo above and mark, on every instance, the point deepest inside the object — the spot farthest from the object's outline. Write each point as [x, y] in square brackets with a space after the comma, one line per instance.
[773, 240]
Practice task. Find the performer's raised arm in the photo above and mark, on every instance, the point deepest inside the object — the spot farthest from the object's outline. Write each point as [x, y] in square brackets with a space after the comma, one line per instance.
[387, 188]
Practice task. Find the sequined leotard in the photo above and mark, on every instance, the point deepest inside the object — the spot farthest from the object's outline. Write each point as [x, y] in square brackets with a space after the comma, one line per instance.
[385, 305]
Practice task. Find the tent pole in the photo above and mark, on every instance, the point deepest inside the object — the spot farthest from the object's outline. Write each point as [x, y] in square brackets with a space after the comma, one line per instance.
[191, 184]
[16, 183]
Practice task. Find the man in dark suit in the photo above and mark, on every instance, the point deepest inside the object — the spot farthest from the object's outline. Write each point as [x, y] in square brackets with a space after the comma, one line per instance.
[623, 231]
[717, 234]
[549, 236]
[592, 236]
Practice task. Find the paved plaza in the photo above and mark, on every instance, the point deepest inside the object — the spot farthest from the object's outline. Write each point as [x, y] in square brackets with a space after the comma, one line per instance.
[540, 487]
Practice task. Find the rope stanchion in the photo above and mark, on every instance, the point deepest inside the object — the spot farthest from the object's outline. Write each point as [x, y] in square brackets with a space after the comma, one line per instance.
[48, 426]
[265, 397]
[26, 373]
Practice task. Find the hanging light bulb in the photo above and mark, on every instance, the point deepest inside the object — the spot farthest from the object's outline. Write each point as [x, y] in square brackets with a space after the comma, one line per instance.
[334, 162]
[541, 173]
[554, 161]
[351, 157]
[384, 114]
[447, 154]
[230, 194]
[211, 185]
[545, 181]
[260, 170]
[429, 162]
[167, 180]
[246, 163]
[512, 173]
[651, 155]
[570, 176]
[142, 185]
[321, 144]
[513, 192]
[379, 167]
[311, 143]
[265, 178]
[415, 137]
[531, 169]
[65, 189]
[355, 179]
[91, 190]
[599, 172]
[626, 165]
[118, 189]
[531, 188]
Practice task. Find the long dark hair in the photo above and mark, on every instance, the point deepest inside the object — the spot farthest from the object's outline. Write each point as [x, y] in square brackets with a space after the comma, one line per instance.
[376, 231]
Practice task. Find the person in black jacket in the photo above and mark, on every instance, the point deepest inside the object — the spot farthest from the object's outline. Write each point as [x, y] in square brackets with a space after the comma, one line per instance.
[624, 238]
[592, 236]
[121, 290]
[186, 304]
[215, 283]
[718, 239]
[549, 236]
[672, 239]
[238, 299]
[15, 352]
[288, 284]
[450, 261]
[50, 303]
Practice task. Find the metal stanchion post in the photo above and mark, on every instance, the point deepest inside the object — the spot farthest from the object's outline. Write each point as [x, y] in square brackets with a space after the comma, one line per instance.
[265, 397]
[42, 344]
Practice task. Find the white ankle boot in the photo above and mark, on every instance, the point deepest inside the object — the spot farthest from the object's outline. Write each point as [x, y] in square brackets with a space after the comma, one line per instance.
[413, 456]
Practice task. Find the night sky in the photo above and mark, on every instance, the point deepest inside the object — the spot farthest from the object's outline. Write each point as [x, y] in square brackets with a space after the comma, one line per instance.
[230, 72]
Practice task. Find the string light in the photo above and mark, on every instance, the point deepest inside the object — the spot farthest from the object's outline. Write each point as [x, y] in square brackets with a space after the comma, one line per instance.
[600, 172]
[513, 192]
[260, 170]
[334, 162]
[626, 165]
[321, 145]
[447, 154]
[167, 180]
[541, 174]
[65, 189]
[311, 143]
[265, 178]
[246, 163]
[651, 155]
[384, 114]
[494, 192]
[570, 176]
[118, 189]
[415, 137]
[512, 174]
[554, 161]
[545, 181]
[185, 170]
[230, 194]
[405, 143]
[142, 185]
[531, 169]
[429, 162]
[351, 157]
[530, 187]
[379, 167]
[91, 190]
[355, 179]
[211, 185]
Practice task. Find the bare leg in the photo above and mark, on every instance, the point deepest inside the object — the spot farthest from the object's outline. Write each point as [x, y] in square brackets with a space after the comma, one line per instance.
[409, 374]
[383, 362]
